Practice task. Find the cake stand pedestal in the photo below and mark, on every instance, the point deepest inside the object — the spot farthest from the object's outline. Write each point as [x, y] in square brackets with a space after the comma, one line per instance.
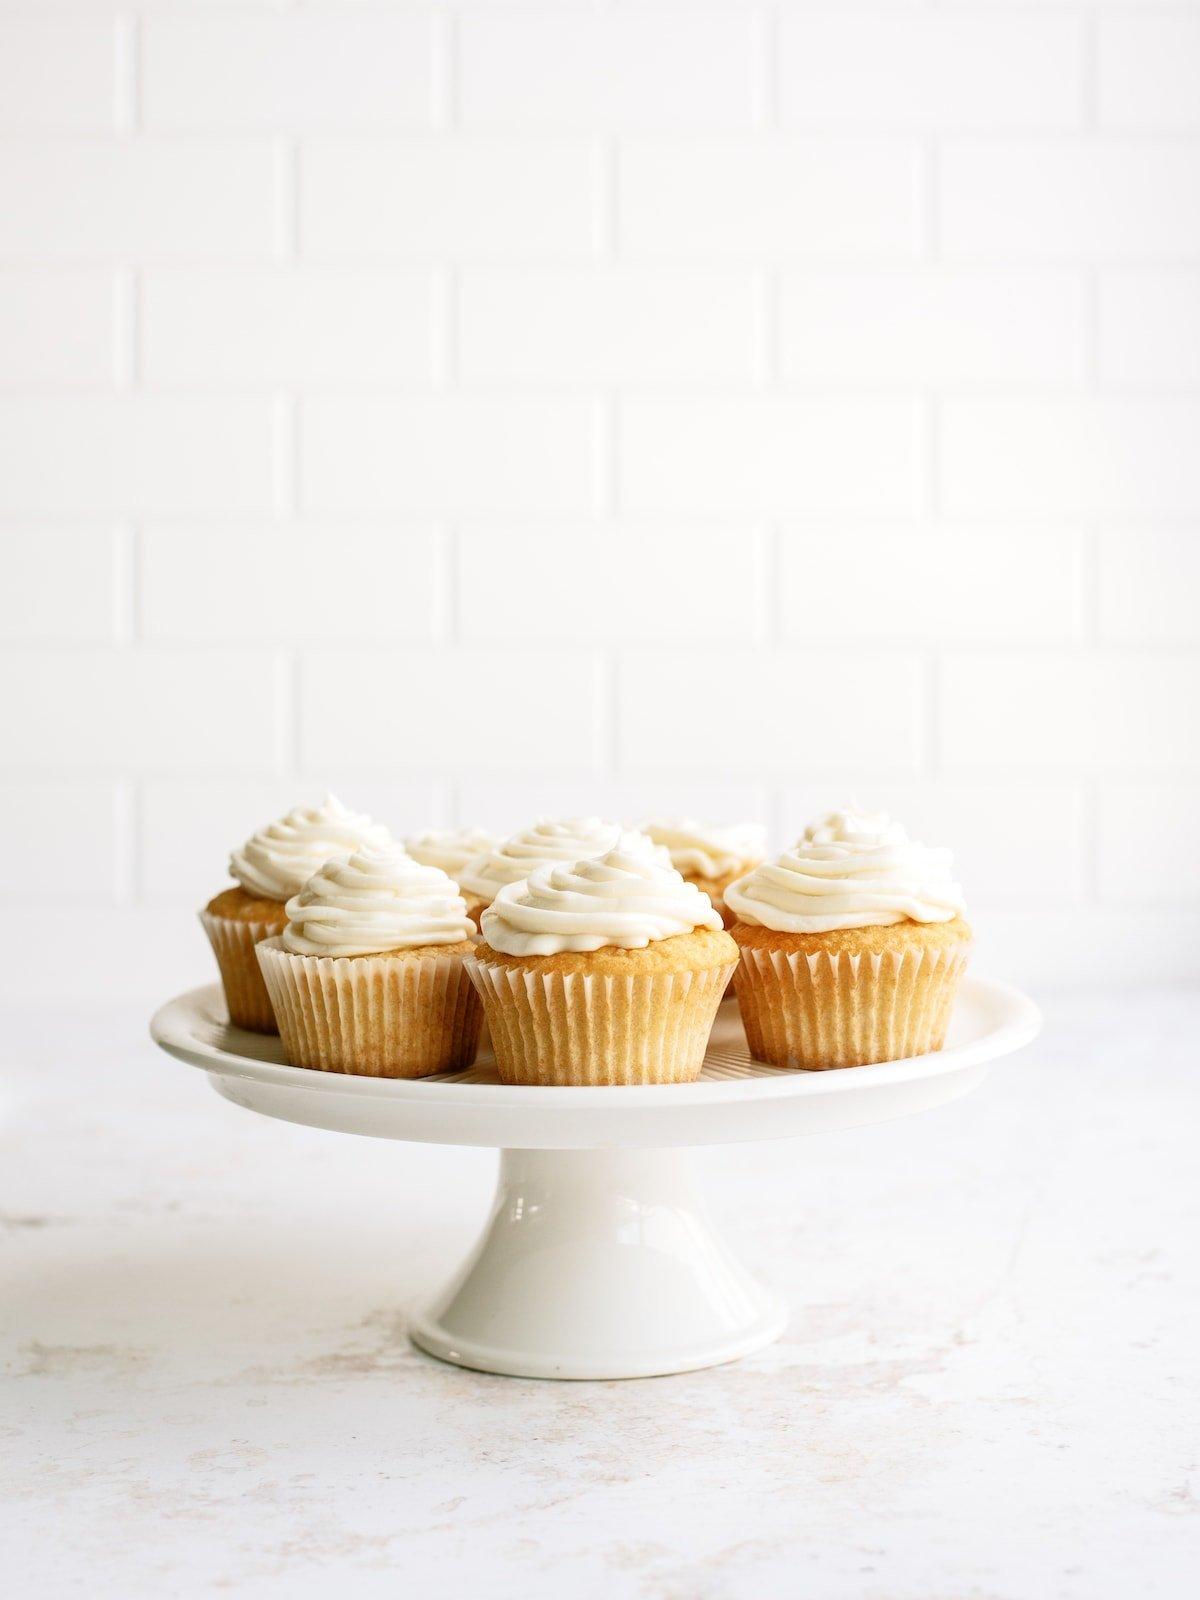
[598, 1259]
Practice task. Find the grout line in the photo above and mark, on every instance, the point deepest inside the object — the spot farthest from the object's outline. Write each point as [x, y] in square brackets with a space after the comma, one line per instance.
[446, 49]
[768, 88]
[127, 831]
[1089, 62]
[285, 456]
[605, 699]
[285, 241]
[770, 585]
[126, 287]
[127, 622]
[126, 74]
[930, 719]
[1089, 587]
[448, 597]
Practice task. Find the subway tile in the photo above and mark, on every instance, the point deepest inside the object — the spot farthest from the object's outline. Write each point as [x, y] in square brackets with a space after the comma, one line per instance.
[627, 583]
[56, 327]
[1149, 71]
[1105, 710]
[106, 711]
[255, 583]
[579, 327]
[469, 709]
[1149, 585]
[57, 74]
[149, 198]
[506, 805]
[754, 455]
[792, 710]
[901, 326]
[456, 454]
[1148, 843]
[296, 73]
[434, 197]
[772, 197]
[1073, 198]
[915, 69]
[1150, 328]
[1070, 456]
[276, 325]
[65, 838]
[956, 584]
[94, 454]
[608, 70]
[59, 584]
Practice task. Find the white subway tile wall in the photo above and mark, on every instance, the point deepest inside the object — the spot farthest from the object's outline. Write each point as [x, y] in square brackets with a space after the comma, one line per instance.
[492, 409]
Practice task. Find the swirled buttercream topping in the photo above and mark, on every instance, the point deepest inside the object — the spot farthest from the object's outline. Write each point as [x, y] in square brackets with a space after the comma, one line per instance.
[372, 902]
[707, 850]
[279, 859]
[449, 848]
[573, 839]
[624, 898]
[853, 869]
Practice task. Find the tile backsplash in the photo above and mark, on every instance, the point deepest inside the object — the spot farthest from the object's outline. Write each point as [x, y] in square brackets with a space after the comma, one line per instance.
[491, 409]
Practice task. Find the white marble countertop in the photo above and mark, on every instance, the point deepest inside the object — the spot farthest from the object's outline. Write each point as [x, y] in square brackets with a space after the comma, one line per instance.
[988, 1390]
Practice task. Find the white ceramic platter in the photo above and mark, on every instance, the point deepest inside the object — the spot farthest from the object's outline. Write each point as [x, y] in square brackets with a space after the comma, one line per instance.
[598, 1260]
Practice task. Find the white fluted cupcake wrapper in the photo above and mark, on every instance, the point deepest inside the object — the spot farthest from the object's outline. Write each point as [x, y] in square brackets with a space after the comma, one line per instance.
[397, 1016]
[246, 995]
[575, 1029]
[837, 1010]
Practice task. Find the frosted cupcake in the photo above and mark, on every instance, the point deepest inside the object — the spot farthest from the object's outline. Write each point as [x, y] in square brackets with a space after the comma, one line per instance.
[575, 839]
[710, 855]
[368, 977]
[450, 848]
[852, 946]
[272, 866]
[602, 971]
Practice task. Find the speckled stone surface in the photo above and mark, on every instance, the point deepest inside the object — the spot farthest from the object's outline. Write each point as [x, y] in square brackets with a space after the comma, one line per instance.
[988, 1390]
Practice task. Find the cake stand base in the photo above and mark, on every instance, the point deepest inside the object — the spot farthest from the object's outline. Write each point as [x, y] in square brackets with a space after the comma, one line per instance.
[598, 1264]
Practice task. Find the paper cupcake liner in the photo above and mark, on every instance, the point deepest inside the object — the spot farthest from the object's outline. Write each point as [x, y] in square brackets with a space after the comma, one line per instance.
[575, 1029]
[837, 1010]
[378, 1016]
[246, 995]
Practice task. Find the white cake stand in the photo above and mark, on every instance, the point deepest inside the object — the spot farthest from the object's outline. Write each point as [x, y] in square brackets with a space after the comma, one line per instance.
[598, 1260]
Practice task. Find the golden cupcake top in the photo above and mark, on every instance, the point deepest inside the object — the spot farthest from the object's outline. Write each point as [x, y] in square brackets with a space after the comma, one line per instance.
[373, 902]
[624, 898]
[852, 869]
[277, 861]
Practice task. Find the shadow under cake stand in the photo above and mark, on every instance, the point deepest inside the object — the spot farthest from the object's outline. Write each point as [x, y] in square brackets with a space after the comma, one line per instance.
[598, 1259]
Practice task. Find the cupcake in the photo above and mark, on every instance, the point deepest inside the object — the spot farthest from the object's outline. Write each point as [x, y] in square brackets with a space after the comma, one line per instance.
[368, 977]
[607, 970]
[710, 855]
[270, 867]
[449, 848]
[547, 841]
[852, 946]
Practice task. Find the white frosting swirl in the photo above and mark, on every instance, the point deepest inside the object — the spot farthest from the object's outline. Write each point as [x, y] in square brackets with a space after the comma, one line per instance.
[853, 869]
[624, 898]
[280, 859]
[374, 901]
[573, 839]
[706, 850]
[450, 848]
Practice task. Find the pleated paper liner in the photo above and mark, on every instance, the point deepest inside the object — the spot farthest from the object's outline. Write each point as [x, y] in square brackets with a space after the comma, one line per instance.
[246, 995]
[575, 1029]
[837, 1010]
[400, 1015]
